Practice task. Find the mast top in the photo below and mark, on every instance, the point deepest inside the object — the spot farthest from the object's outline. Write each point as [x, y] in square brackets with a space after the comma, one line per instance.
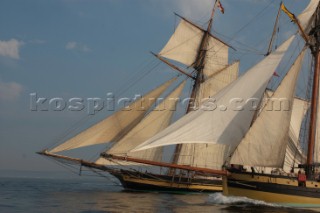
[212, 16]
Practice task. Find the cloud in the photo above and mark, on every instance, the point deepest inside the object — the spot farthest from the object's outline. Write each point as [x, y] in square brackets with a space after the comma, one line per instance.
[10, 48]
[10, 91]
[72, 45]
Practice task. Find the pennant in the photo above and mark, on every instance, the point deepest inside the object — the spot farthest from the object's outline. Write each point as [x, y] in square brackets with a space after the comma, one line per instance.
[221, 8]
[291, 15]
[276, 74]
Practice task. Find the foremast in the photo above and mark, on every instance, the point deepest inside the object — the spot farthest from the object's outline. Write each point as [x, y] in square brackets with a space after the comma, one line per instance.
[199, 78]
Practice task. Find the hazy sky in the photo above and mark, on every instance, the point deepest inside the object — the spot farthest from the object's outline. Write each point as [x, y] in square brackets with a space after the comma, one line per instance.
[87, 48]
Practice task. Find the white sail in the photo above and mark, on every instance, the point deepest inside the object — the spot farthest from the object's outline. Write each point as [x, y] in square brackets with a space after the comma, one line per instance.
[115, 125]
[153, 123]
[306, 18]
[226, 124]
[216, 57]
[299, 109]
[294, 154]
[217, 82]
[184, 46]
[209, 155]
[266, 141]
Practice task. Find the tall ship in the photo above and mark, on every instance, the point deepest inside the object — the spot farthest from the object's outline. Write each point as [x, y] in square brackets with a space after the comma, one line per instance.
[237, 134]
[197, 56]
[265, 155]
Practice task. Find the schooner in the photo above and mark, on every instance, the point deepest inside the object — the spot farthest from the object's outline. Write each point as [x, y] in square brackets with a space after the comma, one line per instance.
[263, 161]
[207, 56]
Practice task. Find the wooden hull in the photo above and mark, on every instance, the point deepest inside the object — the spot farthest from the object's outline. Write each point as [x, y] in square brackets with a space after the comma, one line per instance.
[163, 183]
[274, 189]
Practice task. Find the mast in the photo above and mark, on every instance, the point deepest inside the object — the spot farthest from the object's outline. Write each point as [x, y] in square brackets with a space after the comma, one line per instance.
[274, 32]
[315, 33]
[199, 78]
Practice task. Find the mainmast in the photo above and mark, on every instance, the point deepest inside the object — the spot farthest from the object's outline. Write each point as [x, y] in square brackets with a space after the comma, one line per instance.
[315, 34]
[199, 78]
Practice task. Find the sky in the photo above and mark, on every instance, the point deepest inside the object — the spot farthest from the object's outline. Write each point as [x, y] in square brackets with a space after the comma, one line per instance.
[88, 48]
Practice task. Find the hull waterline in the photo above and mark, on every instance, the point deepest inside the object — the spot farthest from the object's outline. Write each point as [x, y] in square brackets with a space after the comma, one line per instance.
[163, 183]
[281, 190]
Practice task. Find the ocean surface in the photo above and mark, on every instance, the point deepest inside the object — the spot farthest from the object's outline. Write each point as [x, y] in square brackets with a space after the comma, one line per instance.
[51, 194]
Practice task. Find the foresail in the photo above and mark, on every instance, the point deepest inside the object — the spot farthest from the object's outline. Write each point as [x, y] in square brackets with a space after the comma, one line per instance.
[209, 155]
[115, 125]
[306, 18]
[184, 46]
[222, 125]
[266, 141]
[158, 119]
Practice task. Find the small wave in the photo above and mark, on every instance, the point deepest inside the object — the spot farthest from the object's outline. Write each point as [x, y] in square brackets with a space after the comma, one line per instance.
[219, 198]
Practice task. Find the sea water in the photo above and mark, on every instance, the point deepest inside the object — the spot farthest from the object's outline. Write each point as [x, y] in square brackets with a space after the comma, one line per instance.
[31, 194]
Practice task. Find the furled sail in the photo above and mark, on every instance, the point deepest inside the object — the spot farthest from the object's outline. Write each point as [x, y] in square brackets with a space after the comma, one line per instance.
[266, 141]
[306, 18]
[209, 155]
[115, 125]
[222, 125]
[184, 46]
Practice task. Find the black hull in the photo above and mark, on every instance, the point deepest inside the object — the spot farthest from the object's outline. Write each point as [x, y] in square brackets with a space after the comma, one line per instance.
[164, 183]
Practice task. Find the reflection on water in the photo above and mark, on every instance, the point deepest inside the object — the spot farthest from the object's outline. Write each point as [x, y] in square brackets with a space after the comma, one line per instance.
[45, 195]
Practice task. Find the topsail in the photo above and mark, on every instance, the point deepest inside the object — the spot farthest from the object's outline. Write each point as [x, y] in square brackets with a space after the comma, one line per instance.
[184, 45]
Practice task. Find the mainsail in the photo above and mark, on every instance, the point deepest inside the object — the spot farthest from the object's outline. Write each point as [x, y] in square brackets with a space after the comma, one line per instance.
[216, 126]
[115, 125]
[266, 141]
[184, 46]
[294, 153]
[158, 119]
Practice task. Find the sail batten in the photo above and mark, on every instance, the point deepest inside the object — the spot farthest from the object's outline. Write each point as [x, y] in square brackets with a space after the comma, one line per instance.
[217, 126]
[266, 141]
[115, 125]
